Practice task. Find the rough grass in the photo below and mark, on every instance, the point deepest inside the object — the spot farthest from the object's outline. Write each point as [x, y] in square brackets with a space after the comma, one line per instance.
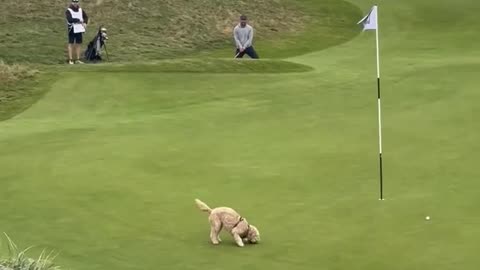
[17, 259]
[150, 29]
[9, 74]
[194, 66]
[18, 88]
[147, 29]
[329, 23]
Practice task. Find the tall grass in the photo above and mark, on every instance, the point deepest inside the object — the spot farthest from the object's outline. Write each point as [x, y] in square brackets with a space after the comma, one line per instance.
[12, 73]
[139, 29]
[17, 259]
[18, 89]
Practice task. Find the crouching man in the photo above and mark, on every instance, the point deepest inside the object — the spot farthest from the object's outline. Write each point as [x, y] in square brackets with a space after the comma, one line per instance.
[77, 21]
[243, 35]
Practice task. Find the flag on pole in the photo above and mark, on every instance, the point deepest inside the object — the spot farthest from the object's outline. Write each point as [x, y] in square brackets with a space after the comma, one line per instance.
[370, 22]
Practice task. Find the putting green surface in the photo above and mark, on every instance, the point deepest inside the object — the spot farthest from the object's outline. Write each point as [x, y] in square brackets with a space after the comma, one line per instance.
[105, 167]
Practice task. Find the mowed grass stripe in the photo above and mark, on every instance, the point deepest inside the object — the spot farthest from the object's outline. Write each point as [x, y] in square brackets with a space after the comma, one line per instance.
[295, 153]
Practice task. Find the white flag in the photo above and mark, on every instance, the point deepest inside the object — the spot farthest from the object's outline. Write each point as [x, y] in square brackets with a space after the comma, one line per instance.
[370, 21]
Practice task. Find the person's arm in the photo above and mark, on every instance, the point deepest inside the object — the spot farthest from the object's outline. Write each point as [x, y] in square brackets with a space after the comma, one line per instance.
[85, 17]
[250, 38]
[69, 17]
[237, 41]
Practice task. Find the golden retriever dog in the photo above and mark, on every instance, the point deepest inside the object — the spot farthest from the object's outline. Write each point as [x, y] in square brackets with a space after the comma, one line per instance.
[228, 219]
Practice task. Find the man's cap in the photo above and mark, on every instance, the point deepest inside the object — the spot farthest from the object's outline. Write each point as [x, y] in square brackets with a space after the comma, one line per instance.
[243, 17]
[75, 1]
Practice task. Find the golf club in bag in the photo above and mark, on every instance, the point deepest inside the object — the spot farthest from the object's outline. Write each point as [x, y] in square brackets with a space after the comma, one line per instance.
[94, 48]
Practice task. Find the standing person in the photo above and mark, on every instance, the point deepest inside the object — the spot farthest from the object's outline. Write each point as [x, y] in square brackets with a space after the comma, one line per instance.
[77, 21]
[243, 35]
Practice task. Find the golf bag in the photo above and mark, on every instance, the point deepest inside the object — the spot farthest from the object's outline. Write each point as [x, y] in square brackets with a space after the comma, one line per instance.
[94, 48]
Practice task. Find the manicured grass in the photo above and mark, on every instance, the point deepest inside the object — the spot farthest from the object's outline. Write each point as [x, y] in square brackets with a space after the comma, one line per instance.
[105, 167]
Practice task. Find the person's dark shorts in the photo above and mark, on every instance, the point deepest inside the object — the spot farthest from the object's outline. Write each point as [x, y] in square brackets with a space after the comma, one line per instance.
[75, 37]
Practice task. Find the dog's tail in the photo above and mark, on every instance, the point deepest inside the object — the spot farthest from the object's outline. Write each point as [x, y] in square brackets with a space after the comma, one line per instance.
[203, 206]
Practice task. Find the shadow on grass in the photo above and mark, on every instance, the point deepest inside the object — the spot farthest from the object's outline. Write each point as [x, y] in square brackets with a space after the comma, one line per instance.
[206, 65]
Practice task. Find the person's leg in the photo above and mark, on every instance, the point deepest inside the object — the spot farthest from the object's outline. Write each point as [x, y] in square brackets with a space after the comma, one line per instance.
[70, 49]
[78, 52]
[79, 41]
[251, 52]
[71, 40]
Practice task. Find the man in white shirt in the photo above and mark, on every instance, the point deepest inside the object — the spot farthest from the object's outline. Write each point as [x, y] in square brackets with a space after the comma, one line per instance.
[243, 35]
[77, 21]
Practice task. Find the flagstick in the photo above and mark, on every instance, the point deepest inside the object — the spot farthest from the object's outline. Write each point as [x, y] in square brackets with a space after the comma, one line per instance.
[379, 111]
[370, 22]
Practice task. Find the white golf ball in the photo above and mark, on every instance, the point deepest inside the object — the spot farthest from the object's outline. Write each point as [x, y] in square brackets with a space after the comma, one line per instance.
[427, 217]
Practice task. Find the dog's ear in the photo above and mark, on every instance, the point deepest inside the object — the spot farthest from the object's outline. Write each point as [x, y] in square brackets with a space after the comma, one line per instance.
[253, 234]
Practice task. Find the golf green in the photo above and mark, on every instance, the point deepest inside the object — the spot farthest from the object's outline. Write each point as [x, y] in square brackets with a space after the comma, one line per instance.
[105, 167]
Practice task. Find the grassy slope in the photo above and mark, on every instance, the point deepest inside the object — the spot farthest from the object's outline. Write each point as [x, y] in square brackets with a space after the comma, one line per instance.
[150, 29]
[159, 30]
[19, 88]
[105, 168]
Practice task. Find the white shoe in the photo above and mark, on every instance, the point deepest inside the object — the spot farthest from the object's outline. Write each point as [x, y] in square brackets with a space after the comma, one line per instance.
[70, 62]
